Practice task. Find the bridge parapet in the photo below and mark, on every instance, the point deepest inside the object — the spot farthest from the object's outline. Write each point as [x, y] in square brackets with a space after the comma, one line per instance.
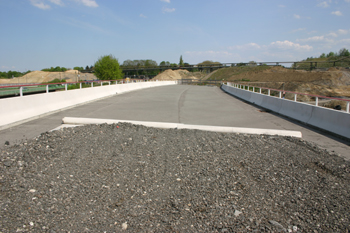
[334, 121]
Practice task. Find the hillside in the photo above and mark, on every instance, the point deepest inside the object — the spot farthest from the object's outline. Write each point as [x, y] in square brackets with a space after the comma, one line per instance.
[43, 77]
[333, 82]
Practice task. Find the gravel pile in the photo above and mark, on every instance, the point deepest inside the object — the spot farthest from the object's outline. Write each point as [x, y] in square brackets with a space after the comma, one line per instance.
[113, 178]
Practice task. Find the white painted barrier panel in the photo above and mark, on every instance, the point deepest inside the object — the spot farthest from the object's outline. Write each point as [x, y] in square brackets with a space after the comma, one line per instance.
[334, 121]
[17, 109]
[331, 120]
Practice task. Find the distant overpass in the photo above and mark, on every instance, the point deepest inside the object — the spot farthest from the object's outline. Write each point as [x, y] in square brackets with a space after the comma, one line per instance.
[210, 67]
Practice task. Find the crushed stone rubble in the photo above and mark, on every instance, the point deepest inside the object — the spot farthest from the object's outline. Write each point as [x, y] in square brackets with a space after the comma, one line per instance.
[130, 178]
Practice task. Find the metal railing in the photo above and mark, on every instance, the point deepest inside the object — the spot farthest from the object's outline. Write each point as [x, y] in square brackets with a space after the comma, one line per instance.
[282, 94]
[20, 90]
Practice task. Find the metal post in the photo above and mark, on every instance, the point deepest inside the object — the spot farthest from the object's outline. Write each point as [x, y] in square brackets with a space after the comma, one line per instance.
[295, 97]
[316, 101]
[268, 92]
[280, 94]
[101, 84]
[92, 84]
[66, 87]
[81, 86]
[253, 89]
[109, 83]
[260, 90]
[21, 91]
[347, 106]
[47, 88]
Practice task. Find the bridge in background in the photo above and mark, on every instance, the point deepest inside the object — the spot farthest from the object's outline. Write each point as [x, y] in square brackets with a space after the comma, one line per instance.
[305, 65]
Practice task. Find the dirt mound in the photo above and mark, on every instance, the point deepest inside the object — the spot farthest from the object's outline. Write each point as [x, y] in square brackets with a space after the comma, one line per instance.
[43, 77]
[333, 82]
[176, 75]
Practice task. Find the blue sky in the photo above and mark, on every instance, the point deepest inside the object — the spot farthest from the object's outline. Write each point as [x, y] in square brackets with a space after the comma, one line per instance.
[37, 34]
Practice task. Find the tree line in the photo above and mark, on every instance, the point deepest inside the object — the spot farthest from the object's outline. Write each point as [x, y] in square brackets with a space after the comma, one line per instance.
[341, 53]
[12, 74]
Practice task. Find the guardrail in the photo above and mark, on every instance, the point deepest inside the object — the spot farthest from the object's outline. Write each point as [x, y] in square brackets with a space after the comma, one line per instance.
[282, 93]
[15, 89]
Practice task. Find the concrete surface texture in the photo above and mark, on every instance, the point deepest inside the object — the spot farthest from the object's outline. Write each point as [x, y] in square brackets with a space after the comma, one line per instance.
[196, 105]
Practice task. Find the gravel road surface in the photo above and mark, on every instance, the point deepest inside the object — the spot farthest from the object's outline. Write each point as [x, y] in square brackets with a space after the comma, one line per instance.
[115, 178]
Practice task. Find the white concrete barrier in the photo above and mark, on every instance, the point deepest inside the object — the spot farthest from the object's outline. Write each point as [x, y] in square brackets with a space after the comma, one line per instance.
[337, 122]
[18, 109]
[85, 121]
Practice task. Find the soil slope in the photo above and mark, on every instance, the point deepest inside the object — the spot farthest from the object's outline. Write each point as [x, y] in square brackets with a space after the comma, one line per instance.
[332, 83]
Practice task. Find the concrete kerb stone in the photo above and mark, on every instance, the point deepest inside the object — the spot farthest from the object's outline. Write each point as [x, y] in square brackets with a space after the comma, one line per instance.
[222, 129]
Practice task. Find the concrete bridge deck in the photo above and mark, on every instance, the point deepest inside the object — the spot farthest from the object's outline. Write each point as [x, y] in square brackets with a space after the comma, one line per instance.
[178, 104]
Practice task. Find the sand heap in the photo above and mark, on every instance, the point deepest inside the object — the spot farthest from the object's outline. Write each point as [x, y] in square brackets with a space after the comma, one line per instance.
[43, 77]
[174, 75]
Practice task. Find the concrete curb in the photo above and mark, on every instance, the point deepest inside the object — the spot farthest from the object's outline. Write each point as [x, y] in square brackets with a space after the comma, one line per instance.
[222, 129]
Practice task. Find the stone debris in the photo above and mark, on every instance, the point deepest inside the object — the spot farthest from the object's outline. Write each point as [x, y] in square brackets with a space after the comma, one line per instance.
[94, 178]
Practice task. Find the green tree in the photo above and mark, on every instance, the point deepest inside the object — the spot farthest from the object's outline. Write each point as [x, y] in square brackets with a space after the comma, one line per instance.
[330, 54]
[344, 52]
[107, 68]
[78, 68]
[164, 63]
[181, 63]
[208, 63]
[323, 55]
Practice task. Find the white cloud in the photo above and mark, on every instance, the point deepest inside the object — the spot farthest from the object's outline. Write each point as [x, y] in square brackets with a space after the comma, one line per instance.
[57, 2]
[333, 34]
[323, 4]
[337, 13]
[296, 16]
[8, 67]
[210, 52]
[246, 46]
[84, 25]
[222, 56]
[167, 1]
[313, 39]
[40, 4]
[289, 45]
[89, 3]
[299, 29]
[143, 16]
[168, 10]
[344, 41]
[343, 32]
